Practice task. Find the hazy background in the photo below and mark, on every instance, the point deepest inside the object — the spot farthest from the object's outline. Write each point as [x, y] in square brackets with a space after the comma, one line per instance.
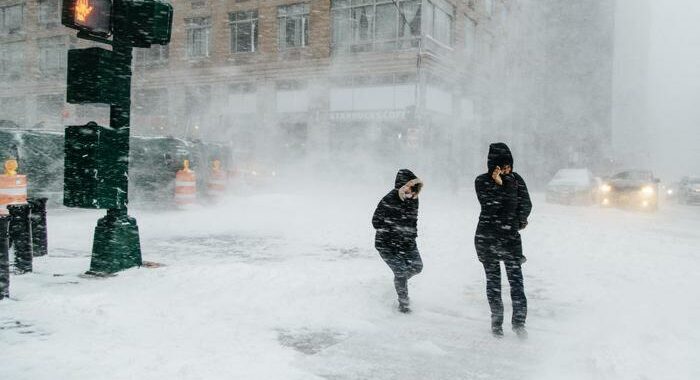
[674, 86]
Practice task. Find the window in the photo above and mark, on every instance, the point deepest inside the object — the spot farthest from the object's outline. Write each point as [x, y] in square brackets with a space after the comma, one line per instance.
[11, 60]
[469, 38]
[151, 101]
[198, 30]
[14, 109]
[52, 56]
[438, 16]
[244, 31]
[385, 32]
[488, 7]
[364, 25]
[293, 26]
[49, 13]
[155, 55]
[242, 98]
[49, 108]
[11, 19]
[197, 106]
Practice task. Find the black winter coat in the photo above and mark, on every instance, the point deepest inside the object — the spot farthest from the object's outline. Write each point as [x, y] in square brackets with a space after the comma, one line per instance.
[396, 221]
[504, 211]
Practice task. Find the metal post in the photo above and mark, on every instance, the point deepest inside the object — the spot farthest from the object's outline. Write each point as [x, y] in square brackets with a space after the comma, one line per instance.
[116, 243]
[21, 234]
[38, 220]
[4, 257]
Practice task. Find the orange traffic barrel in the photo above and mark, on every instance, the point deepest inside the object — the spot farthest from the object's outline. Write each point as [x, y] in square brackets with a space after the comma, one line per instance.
[185, 185]
[13, 187]
[216, 185]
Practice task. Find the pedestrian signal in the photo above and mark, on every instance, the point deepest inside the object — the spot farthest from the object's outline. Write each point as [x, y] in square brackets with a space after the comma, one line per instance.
[92, 16]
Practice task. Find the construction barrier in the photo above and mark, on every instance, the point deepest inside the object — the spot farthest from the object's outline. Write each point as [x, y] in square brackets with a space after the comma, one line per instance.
[153, 162]
[185, 185]
[216, 185]
[13, 187]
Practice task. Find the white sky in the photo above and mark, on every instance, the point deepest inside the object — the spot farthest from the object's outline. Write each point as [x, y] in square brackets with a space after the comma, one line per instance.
[674, 87]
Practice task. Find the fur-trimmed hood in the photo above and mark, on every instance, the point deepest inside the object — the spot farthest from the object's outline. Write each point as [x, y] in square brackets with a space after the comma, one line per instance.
[403, 177]
[406, 178]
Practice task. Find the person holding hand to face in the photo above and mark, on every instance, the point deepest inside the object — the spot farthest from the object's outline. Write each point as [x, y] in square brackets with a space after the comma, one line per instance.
[505, 207]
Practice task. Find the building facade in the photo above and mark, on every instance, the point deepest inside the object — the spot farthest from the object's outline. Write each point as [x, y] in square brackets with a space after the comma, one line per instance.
[275, 77]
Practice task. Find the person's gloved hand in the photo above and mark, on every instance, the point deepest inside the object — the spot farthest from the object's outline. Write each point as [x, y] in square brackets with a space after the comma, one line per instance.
[523, 224]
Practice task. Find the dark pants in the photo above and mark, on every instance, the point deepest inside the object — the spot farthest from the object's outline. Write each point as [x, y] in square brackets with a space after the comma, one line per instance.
[405, 264]
[517, 291]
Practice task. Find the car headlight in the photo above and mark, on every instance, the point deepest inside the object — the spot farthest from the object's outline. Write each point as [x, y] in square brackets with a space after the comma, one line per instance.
[605, 188]
[647, 191]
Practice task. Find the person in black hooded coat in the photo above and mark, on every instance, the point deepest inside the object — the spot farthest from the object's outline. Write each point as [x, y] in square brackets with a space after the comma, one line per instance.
[505, 207]
[396, 219]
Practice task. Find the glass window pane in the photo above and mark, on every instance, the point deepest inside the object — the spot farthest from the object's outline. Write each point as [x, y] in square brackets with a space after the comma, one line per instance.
[340, 3]
[362, 24]
[243, 37]
[387, 18]
[410, 26]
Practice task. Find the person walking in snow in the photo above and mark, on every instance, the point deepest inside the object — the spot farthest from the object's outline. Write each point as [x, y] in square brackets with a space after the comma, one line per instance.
[505, 207]
[395, 220]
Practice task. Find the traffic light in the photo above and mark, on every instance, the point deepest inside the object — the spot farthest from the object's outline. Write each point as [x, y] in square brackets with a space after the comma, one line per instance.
[90, 75]
[141, 23]
[147, 22]
[92, 16]
[96, 166]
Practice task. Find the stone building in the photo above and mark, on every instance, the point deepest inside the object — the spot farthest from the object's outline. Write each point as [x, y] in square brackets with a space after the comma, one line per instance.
[275, 77]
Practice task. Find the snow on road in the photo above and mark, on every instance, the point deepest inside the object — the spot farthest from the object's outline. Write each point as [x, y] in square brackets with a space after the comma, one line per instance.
[289, 287]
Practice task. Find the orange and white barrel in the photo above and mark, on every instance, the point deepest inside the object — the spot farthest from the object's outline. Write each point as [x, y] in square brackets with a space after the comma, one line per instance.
[13, 187]
[185, 186]
[216, 185]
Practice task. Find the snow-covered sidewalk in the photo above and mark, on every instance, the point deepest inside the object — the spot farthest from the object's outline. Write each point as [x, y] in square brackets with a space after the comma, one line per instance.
[290, 287]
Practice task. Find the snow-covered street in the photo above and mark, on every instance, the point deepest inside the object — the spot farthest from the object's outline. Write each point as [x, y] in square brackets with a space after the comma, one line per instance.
[289, 286]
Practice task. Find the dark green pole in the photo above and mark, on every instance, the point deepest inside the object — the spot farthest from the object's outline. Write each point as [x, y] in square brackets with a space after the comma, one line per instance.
[4, 256]
[116, 245]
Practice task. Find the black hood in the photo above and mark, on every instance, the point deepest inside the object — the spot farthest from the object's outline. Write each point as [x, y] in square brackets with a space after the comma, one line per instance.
[402, 177]
[499, 155]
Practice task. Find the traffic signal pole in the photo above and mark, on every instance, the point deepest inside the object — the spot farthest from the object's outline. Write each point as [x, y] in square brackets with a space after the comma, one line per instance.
[97, 158]
[116, 243]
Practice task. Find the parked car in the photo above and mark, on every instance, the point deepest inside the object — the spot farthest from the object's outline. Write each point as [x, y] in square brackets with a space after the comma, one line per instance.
[668, 191]
[689, 190]
[637, 189]
[572, 186]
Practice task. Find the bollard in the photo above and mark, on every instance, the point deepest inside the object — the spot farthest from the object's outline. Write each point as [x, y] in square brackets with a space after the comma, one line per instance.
[38, 220]
[4, 257]
[21, 235]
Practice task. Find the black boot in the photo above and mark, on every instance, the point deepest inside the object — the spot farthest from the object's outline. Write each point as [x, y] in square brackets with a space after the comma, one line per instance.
[497, 325]
[404, 305]
[401, 284]
[520, 331]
